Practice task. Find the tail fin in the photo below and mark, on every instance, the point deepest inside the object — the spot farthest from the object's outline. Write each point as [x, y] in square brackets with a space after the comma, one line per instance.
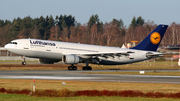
[152, 41]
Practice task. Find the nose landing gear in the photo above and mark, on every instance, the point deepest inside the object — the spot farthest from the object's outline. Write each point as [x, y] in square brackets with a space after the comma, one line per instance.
[24, 62]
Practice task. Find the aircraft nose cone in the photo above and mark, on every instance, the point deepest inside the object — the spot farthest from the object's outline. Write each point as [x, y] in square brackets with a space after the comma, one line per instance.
[7, 46]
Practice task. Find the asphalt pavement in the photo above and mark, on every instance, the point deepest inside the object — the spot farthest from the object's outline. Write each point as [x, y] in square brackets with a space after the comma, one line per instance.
[80, 75]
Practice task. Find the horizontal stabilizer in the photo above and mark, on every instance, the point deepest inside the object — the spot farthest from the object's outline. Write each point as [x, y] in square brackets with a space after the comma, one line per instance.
[160, 54]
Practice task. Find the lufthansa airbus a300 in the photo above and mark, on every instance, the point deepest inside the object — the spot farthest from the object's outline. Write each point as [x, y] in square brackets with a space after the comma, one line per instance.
[73, 53]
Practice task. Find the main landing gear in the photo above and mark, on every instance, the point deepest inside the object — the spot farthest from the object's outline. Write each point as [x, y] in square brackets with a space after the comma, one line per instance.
[72, 67]
[87, 67]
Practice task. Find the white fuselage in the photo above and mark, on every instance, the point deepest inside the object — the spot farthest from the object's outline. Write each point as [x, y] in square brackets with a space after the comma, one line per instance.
[36, 48]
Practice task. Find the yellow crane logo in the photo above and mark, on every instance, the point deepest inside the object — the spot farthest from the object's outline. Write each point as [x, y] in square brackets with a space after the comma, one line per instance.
[155, 38]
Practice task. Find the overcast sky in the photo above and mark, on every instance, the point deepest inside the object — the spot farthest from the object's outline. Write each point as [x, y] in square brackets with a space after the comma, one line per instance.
[159, 11]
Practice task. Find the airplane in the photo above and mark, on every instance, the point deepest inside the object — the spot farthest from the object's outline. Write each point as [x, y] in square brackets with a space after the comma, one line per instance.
[49, 52]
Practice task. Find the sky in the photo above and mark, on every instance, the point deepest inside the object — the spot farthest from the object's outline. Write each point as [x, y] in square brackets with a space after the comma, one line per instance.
[159, 11]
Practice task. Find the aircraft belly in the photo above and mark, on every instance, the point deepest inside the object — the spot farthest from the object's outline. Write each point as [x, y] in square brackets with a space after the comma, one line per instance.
[37, 54]
[47, 55]
[120, 61]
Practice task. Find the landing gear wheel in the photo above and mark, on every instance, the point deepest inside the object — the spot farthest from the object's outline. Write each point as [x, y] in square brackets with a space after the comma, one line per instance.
[72, 68]
[87, 68]
[84, 68]
[23, 63]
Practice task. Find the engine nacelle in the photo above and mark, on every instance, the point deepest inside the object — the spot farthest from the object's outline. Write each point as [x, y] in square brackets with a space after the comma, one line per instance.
[70, 59]
[47, 61]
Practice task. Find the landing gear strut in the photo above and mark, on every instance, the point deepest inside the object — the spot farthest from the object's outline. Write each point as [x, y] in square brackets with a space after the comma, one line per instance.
[24, 62]
[87, 67]
[72, 67]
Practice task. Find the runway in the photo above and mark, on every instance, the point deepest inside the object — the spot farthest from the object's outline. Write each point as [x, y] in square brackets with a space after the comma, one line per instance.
[82, 76]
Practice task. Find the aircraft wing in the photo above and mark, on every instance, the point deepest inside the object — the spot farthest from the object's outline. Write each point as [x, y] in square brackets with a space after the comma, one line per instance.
[105, 54]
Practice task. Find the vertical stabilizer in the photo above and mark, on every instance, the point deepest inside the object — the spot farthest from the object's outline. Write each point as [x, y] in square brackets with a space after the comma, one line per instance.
[152, 41]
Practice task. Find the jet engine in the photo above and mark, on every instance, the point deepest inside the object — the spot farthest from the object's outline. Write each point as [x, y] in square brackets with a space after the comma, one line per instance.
[47, 61]
[70, 59]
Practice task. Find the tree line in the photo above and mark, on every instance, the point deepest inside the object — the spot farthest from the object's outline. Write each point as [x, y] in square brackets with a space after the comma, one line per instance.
[66, 28]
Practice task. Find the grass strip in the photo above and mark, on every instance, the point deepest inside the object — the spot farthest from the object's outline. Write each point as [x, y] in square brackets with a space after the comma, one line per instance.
[17, 97]
[87, 85]
[91, 93]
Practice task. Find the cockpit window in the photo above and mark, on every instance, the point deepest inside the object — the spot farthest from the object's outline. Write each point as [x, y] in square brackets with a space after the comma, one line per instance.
[13, 43]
